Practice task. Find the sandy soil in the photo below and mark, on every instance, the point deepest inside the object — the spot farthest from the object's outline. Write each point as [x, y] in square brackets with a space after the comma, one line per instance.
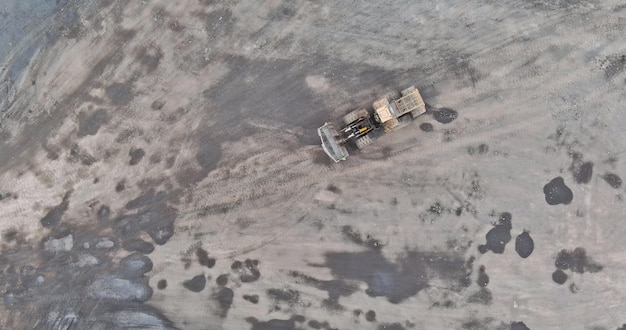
[159, 167]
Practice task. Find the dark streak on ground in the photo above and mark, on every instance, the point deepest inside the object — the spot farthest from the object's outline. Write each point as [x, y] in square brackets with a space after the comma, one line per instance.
[53, 217]
[355, 237]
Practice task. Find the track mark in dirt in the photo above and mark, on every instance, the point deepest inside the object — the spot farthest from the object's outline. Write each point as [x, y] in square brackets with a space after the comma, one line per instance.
[613, 180]
[556, 192]
[524, 244]
[196, 283]
[247, 271]
[498, 236]
[576, 261]
[90, 124]
[559, 276]
[53, 217]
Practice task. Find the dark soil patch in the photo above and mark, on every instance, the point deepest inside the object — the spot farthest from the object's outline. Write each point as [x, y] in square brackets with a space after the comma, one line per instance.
[576, 261]
[582, 174]
[445, 115]
[556, 192]
[355, 237]
[222, 280]
[613, 180]
[120, 94]
[524, 244]
[136, 155]
[426, 127]
[90, 124]
[225, 299]
[204, 259]
[289, 296]
[483, 278]
[195, 284]
[483, 296]
[103, 213]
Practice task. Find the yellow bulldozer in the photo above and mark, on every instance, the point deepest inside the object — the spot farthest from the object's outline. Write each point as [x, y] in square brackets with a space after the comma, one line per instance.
[361, 126]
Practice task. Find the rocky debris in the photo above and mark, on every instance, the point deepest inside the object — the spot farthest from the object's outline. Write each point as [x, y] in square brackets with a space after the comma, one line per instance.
[498, 236]
[247, 271]
[63, 244]
[556, 192]
[559, 276]
[138, 245]
[118, 289]
[105, 243]
[134, 266]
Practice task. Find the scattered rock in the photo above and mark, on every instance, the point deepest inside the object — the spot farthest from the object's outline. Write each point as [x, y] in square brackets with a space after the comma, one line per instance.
[105, 243]
[519, 326]
[196, 284]
[247, 271]
[222, 280]
[524, 244]
[559, 276]
[498, 236]
[556, 192]
[162, 284]
[204, 259]
[370, 316]
[103, 212]
[251, 298]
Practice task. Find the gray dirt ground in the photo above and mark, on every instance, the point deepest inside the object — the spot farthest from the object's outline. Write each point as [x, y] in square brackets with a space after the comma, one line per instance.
[159, 167]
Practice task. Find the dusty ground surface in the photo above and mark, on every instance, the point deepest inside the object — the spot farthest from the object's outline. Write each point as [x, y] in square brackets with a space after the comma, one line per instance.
[159, 167]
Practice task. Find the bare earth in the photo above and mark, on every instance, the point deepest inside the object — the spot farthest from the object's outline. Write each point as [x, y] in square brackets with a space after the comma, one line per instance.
[159, 167]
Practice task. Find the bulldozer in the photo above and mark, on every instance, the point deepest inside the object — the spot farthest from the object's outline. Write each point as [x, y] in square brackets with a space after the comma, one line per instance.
[361, 127]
